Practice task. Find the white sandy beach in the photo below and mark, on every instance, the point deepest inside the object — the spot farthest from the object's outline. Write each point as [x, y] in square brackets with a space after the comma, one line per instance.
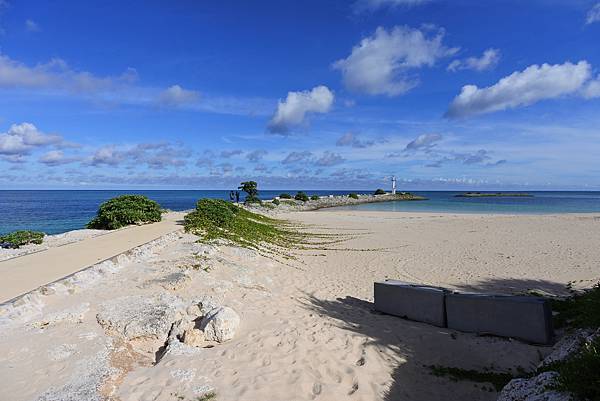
[307, 327]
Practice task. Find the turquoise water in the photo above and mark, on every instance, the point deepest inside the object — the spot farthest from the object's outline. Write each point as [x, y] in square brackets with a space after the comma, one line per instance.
[59, 211]
[541, 203]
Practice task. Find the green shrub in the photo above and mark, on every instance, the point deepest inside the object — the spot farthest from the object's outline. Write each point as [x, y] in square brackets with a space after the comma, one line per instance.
[275, 201]
[19, 238]
[301, 196]
[579, 311]
[285, 196]
[580, 373]
[379, 192]
[314, 197]
[353, 196]
[125, 210]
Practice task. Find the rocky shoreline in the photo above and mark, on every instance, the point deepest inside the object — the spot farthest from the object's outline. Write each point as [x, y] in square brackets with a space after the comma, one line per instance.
[331, 201]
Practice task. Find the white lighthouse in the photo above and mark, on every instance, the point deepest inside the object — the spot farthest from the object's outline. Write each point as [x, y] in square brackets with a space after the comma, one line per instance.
[393, 185]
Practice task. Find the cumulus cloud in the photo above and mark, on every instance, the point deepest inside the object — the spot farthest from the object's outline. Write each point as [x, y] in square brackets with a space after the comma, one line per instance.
[381, 64]
[350, 139]
[21, 139]
[366, 5]
[32, 26]
[56, 158]
[57, 75]
[488, 60]
[593, 15]
[256, 155]
[153, 155]
[229, 153]
[295, 157]
[424, 142]
[592, 89]
[480, 157]
[329, 159]
[292, 111]
[521, 88]
[177, 96]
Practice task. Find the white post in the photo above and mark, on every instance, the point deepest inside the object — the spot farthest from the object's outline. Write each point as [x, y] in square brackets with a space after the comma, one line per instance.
[394, 185]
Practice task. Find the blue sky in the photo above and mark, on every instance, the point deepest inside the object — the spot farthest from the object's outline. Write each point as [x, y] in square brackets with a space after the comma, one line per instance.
[313, 94]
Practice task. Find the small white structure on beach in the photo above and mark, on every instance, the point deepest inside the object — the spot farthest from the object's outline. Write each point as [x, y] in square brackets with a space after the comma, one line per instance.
[393, 185]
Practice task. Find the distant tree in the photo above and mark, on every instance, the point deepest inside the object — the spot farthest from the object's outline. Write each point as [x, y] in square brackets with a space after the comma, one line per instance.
[314, 197]
[285, 196]
[251, 189]
[379, 192]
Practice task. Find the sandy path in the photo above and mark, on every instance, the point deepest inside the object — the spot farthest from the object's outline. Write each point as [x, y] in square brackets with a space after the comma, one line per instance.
[26, 273]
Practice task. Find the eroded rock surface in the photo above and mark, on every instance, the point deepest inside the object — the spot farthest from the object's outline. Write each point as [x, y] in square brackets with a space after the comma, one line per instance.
[220, 324]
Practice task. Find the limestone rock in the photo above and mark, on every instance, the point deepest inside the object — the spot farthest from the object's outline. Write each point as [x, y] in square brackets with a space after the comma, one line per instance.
[534, 389]
[193, 337]
[220, 324]
[137, 316]
[570, 345]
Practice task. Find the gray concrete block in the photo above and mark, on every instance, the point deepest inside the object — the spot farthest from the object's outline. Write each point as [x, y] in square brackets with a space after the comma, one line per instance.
[411, 301]
[525, 318]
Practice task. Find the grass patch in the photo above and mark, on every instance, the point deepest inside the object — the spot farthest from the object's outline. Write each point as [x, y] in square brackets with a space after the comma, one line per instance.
[215, 220]
[497, 379]
[16, 239]
[580, 374]
[126, 210]
[578, 311]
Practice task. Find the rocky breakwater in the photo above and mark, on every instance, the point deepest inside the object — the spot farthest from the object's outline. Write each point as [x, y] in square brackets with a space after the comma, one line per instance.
[331, 201]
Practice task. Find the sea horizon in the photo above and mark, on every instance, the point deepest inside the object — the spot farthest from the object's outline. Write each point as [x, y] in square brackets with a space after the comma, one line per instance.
[59, 211]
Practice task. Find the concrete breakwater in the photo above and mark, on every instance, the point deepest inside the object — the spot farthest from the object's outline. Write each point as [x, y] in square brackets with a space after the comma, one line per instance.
[278, 204]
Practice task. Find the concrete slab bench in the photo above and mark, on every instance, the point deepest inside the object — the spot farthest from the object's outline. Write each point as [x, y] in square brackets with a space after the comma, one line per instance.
[412, 301]
[521, 317]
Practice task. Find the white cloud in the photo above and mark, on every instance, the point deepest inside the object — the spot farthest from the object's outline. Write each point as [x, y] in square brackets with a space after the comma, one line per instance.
[256, 155]
[350, 139]
[295, 157]
[592, 89]
[329, 159]
[593, 15]
[381, 64]
[293, 109]
[57, 75]
[489, 59]
[177, 96]
[21, 139]
[521, 88]
[423, 142]
[56, 158]
[364, 5]
[32, 26]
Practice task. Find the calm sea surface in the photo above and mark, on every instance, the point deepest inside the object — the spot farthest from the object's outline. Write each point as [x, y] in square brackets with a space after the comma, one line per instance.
[59, 211]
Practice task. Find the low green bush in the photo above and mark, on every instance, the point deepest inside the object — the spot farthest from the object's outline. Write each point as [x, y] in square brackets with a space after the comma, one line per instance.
[285, 196]
[216, 219]
[353, 196]
[578, 311]
[125, 210]
[19, 238]
[314, 197]
[379, 192]
[275, 201]
[301, 196]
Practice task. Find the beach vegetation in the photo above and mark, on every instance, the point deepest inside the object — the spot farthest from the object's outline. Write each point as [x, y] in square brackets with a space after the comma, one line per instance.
[16, 239]
[301, 196]
[314, 197]
[251, 190]
[379, 191]
[578, 311]
[353, 196]
[275, 201]
[497, 379]
[580, 373]
[216, 220]
[126, 210]
[285, 196]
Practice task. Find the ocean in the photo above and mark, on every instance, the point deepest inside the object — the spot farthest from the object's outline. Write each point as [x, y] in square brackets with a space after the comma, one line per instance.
[56, 212]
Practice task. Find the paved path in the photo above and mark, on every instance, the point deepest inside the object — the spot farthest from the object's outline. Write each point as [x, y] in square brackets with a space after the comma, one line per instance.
[25, 273]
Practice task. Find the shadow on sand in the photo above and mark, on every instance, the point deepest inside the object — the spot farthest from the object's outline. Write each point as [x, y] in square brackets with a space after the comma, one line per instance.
[418, 345]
